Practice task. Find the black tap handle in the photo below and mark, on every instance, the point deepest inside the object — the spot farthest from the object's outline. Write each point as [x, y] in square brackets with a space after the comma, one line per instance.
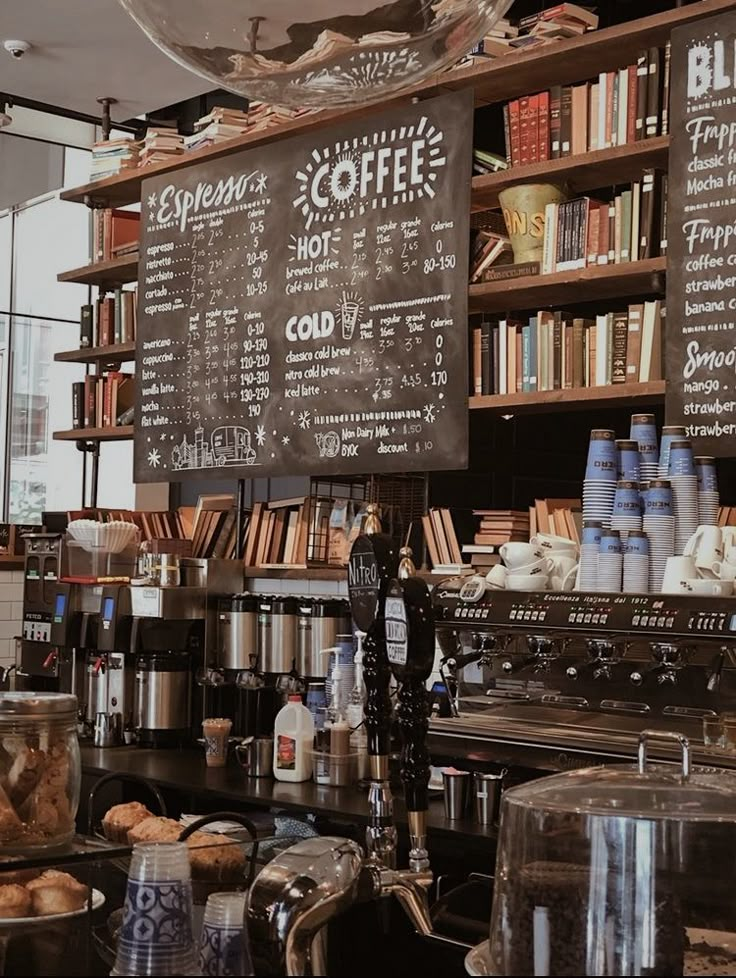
[377, 676]
[413, 714]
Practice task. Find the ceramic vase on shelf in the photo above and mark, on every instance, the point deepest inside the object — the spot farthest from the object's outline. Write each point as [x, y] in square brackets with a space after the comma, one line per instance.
[523, 212]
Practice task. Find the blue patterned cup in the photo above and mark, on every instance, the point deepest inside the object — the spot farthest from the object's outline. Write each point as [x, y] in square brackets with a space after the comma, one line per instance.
[658, 498]
[644, 431]
[223, 948]
[156, 934]
[602, 456]
[705, 468]
[637, 543]
[628, 460]
[592, 532]
[610, 542]
[627, 501]
[670, 433]
[681, 458]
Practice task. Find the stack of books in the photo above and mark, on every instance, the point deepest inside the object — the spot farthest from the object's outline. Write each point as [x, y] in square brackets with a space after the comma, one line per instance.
[442, 544]
[212, 526]
[278, 533]
[486, 162]
[115, 233]
[103, 400]
[219, 125]
[586, 231]
[490, 247]
[499, 526]
[617, 108]
[111, 319]
[112, 156]
[560, 517]
[161, 145]
[496, 43]
[263, 116]
[559, 351]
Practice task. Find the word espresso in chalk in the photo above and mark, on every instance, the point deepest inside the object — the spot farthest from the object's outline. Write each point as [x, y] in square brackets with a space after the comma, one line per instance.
[180, 205]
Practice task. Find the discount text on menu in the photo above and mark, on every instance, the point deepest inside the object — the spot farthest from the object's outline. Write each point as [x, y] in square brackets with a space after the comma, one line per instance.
[700, 340]
[303, 305]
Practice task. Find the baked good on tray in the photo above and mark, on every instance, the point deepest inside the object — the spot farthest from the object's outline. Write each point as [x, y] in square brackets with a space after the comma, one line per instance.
[15, 901]
[119, 821]
[56, 892]
[155, 828]
[215, 857]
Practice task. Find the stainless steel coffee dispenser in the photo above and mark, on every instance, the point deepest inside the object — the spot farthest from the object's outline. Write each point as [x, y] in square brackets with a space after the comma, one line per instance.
[320, 621]
[238, 631]
[277, 619]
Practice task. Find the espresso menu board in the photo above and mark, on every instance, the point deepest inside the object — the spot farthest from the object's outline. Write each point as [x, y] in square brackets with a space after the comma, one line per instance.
[303, 305]
[700, 341]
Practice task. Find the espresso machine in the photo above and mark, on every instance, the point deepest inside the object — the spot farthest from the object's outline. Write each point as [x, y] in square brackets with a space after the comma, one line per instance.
[544, 682]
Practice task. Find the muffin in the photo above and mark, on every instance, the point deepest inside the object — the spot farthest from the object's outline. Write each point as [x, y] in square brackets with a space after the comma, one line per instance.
[215, 857]
[56, 892]
[118, 822]
[155, 828]
[15, 901]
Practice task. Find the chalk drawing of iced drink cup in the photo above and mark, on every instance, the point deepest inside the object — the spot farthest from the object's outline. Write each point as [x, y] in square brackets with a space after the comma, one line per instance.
[349, 310]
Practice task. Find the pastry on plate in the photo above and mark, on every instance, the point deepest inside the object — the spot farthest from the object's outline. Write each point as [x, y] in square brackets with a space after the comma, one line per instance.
[56, 892]
[118, 822]
[155, 828]
[15, 901]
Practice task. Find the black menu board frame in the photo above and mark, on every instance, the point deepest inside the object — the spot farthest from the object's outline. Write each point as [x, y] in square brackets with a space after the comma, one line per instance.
[302, 305]
[700, 335]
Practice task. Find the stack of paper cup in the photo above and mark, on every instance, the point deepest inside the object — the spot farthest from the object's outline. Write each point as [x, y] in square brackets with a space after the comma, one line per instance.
[610, 562]
[684, 492]
[628, 460]
[670, 433]
[636, 563]
[589, 547]
[659, 526]
[626, 508]
[708, 498]
[222, 946]
[644, 432]
[599, 487]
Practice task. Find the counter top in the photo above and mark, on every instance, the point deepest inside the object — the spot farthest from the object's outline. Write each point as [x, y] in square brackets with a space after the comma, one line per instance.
[186, 770]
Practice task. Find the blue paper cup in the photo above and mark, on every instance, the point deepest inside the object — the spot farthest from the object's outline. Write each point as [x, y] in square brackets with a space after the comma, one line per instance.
[637, 543]
[644, 431]
[602, 456]
[658, 498]
[705, 468]
[610, 542]
[681, 458]
[670, 433]
[627, 501]
[628, 460]
[592, 532]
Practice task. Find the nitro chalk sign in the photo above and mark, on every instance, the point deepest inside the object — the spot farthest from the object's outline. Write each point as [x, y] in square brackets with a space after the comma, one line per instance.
[700, 343]
[303, 305]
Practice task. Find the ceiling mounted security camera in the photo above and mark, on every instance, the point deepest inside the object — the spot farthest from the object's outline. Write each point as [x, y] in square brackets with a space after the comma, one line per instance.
[16, 48]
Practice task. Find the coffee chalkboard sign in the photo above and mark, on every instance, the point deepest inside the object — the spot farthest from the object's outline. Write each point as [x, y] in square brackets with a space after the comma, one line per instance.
[303, 305]
[700, 344]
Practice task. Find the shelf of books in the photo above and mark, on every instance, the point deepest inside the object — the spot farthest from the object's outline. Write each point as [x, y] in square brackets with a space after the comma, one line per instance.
[580, 173]
[111, 272]
[123, 432]
[559, 288]
[530, 402]
[113, 353]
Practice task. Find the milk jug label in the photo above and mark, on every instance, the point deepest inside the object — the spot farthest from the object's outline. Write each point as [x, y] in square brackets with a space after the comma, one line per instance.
[285, 753]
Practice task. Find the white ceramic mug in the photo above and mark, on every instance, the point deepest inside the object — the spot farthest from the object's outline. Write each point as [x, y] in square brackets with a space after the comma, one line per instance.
[706, 545]
[677, 572]
[713, 589]
[728, 537]
[551, 542]
[520, 554]
[564, 582]
[543, 566]
[496, 577]
[526, 582]
[561, 564]
[725, 570]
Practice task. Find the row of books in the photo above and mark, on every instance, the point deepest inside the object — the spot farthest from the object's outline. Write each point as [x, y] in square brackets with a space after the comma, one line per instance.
[115, 233]
[217, 126]
[586, 231]
[440, 538]
[489, 246]
[103, 400]
[113, 156]
[109, 319]
[556, 23]
[499, 526]
[618, 108]
[560, 517]
[557, 351]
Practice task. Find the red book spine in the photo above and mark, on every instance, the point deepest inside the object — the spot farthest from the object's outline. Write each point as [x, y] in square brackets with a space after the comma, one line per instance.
[90, 399]
[631, 105]
[543, 140]
[533, 128]
[107, 401]
[515, 128]
[524, 147]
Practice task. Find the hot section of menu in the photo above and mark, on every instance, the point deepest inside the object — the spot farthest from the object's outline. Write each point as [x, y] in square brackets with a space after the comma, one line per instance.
[700, 344]
[303, 305]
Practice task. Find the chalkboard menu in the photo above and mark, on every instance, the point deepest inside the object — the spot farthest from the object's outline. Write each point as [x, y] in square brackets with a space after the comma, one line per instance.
[303, 305]
[700, 341]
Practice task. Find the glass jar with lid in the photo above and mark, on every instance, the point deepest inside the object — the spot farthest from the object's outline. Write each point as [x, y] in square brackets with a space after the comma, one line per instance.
[616, 871]
[40, 770]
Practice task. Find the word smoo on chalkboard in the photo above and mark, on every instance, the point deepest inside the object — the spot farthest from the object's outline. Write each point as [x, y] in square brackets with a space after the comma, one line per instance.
[303, 305]
[700, 344]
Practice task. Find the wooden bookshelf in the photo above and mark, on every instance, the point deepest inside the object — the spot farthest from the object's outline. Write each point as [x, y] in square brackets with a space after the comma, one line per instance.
[115, 271]
[587, 171]
[117, 353]
[563, 288]
[560, 63]
[571, 399]
[121, 432]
